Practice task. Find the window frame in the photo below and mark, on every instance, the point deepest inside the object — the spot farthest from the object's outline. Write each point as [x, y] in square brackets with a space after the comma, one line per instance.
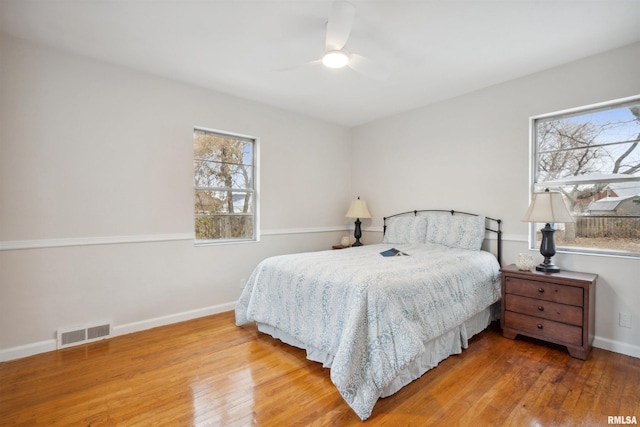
[534, 154]
[255, 190]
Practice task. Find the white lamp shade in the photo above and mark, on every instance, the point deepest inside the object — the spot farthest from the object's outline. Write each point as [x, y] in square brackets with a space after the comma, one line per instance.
[358, 209]
[547, 207]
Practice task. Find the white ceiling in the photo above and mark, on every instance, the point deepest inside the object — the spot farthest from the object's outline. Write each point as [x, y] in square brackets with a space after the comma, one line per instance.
[433, 49]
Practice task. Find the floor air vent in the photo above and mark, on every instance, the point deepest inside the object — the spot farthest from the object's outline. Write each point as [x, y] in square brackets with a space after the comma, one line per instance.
[67, 337]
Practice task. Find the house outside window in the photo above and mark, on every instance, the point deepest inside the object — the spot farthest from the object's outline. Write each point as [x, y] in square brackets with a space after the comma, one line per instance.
[225, 187]
[592, 156]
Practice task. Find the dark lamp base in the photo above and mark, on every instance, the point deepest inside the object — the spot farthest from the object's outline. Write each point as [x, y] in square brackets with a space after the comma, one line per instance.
[548, 268]
[547, 250]
[357, 233]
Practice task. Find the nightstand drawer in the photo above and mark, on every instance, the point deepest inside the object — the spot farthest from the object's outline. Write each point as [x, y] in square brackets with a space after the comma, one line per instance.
[544, 309]
[543, 290]
[546, 329]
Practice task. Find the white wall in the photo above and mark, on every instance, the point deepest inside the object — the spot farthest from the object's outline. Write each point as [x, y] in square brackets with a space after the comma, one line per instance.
[95, 187]
[472, 153]
[96, 195]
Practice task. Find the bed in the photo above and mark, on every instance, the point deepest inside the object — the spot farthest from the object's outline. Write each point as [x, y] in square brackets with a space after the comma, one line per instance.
[379, 322]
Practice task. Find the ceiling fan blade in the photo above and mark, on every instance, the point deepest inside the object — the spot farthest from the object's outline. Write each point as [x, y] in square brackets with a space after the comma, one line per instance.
[367, 67]
[339, 24]
[296, 66]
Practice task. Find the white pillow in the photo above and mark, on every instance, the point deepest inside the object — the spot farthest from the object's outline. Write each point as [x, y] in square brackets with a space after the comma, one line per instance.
[406, 229]
[456, 231]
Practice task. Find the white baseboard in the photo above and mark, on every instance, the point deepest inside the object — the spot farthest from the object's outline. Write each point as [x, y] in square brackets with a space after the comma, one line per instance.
[27, 350]
[617, 346]
[128, 328]
[142, 325]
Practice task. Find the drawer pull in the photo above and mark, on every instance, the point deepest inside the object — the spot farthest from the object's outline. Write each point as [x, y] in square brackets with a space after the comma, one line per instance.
[540, 308]
[541, 290]
[539, 326]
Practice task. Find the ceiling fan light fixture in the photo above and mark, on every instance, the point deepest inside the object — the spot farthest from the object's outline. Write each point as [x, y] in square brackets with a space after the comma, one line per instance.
[335, 59]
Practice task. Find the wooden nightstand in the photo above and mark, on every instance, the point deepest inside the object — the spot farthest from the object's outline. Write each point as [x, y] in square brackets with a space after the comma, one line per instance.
[554, 307]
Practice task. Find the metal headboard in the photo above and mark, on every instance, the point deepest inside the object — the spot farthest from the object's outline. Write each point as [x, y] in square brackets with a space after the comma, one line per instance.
[494, 225]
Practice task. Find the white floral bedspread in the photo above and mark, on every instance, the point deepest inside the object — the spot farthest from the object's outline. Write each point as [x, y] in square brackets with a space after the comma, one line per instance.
[371, 313]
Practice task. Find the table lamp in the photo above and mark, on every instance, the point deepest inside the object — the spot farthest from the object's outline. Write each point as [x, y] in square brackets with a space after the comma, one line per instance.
[358, 209]
[547, 207]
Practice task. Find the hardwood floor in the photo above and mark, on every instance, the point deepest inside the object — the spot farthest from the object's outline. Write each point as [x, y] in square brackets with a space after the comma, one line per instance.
[208, 372]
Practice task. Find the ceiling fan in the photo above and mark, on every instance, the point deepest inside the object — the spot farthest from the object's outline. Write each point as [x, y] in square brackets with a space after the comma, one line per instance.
[339, 27]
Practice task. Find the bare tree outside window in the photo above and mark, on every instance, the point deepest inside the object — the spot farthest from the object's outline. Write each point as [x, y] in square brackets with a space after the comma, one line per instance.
[224, 186]
[592, 156]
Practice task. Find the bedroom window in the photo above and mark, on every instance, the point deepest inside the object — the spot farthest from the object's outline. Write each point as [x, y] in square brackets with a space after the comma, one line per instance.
[592, 156]
[225, 190]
